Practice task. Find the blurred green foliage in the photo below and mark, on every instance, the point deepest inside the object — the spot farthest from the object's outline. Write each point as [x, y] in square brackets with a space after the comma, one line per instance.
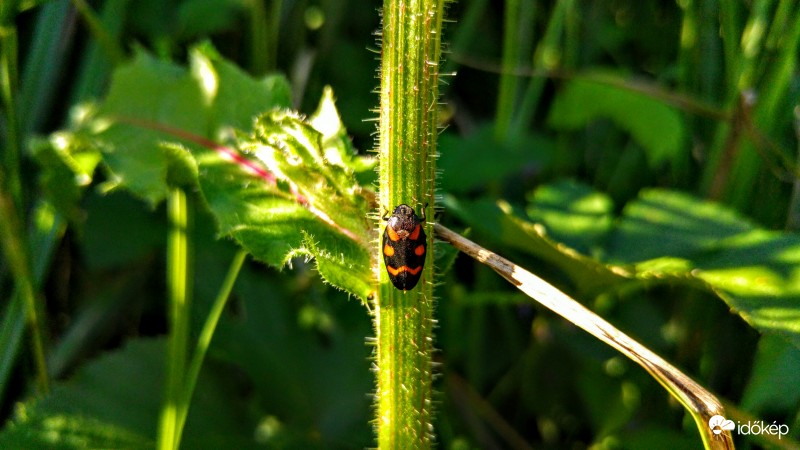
[641, 155]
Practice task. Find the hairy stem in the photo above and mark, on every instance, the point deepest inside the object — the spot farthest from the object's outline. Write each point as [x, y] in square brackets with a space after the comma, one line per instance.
[404, 319]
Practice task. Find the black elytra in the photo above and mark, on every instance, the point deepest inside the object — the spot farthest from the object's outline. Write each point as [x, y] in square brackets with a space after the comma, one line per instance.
[404, 247]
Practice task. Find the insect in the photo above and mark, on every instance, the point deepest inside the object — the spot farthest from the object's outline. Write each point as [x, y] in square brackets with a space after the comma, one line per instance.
[404, 247]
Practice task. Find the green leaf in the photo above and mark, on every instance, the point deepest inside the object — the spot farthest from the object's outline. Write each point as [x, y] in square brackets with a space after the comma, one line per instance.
[503, 224]
[159, 127]
[239, 98]
[656, 126]
[146, 94]
[158, 114]
[572, 213]
[673, 234]
[270, 220]
[665, 223]
[667, 236]
[756, 274]
[92, 399]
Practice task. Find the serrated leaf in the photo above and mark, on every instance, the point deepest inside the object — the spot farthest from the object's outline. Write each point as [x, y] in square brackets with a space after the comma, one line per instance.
[336, 145]
[656, 126]
[159, 127]
[274, 227]
[138, 160]
[337, 148]
[145, 94]
[343, 266]
[293, 151]
[239, 97]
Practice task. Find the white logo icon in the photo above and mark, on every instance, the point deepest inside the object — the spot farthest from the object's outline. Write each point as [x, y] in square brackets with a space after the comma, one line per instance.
[718, 424]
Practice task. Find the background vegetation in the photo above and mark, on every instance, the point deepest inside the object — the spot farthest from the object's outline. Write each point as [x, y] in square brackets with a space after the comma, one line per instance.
[641, 155]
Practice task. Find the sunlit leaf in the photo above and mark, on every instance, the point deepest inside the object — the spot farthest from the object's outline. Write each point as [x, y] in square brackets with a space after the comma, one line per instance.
[757, 274]
[313, 207]
[503, 224]
[668, 236]
[157, 114]
[664, 223]
[162, 125]
[572, 213]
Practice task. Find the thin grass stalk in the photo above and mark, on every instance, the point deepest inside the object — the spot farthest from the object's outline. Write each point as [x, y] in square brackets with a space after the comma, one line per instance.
[16, 253]
[547, 57]
[107, 41]
[9, 84]
[204, 340]
[12, 231]
[264, 32]
[509, 81]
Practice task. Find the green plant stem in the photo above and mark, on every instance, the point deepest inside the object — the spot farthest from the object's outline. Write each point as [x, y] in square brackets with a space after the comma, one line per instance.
[179, 295]
[408, 119]
[204, 340]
